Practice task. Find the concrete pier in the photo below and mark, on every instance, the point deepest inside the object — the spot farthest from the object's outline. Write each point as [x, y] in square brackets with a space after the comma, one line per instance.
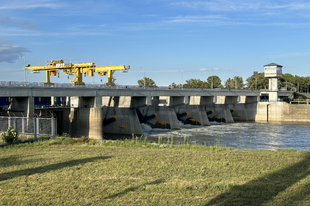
[123, 109]
[163, 107]
[245, 109]
[194, 112]
[221, 108]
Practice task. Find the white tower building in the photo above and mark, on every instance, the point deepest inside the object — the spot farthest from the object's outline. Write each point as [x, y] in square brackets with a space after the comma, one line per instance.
[273, 72]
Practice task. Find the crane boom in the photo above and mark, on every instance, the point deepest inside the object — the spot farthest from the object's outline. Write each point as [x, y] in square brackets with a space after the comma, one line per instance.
[51, 68]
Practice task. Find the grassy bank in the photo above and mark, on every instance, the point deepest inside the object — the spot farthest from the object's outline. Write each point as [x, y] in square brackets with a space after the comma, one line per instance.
[65, 171]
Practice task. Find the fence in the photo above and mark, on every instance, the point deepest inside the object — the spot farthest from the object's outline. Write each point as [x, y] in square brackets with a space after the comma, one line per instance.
[30, 126]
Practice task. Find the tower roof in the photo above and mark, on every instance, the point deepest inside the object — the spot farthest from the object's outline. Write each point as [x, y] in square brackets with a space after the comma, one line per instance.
[273, 64]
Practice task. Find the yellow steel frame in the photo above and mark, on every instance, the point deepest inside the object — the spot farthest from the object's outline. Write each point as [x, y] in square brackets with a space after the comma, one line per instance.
[89, 68]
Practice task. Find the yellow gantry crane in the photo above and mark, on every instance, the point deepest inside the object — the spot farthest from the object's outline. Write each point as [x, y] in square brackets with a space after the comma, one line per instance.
[52, 67]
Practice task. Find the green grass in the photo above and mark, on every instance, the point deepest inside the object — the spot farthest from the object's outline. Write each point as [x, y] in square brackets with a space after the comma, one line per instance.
[66, 171]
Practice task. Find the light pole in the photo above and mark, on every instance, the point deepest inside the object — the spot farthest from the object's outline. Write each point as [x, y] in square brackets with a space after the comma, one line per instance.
[143, 76]
[24, 69]
[298, 86]
[255, 83]
[182, 78]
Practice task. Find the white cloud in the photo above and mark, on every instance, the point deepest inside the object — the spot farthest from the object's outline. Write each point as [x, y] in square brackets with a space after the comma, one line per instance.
[189, 19]
[244, 5]
[214, 69]
[9, 52]
[7, 20]
[29, 4]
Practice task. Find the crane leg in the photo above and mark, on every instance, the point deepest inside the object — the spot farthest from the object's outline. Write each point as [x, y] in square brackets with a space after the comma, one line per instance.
[78, 78]
[48, 79]
[110, 77]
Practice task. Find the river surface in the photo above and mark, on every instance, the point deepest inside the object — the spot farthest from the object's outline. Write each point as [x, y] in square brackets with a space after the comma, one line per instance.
[266, 136]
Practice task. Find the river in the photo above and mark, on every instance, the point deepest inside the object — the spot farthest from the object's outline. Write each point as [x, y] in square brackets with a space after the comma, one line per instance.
[266, 136]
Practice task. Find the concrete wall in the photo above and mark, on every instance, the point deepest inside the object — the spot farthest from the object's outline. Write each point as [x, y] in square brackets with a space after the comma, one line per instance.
[85, 122]
[127, 121]
[163, 107]
[282, 112]
[244, 112]
[22, 106]
[196, 115]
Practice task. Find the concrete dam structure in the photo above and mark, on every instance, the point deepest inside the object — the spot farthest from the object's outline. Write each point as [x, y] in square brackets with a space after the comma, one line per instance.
[96, 112]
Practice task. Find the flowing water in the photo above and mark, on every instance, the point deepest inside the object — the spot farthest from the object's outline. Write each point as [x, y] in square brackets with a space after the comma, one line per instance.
[267, 136]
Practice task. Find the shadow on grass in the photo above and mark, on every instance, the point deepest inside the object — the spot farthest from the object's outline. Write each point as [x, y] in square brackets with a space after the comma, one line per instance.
[47, 168]
[16, 160]
[135, 188]
[262, 190]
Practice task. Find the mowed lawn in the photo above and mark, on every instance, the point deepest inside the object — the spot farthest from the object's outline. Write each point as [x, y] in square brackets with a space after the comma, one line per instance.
[110, 174]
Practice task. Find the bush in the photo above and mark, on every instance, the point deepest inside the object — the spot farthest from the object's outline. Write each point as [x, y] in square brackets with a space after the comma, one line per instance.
[10, 136]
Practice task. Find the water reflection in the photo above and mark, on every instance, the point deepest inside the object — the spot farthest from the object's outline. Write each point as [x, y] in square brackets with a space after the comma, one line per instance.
[268, 136]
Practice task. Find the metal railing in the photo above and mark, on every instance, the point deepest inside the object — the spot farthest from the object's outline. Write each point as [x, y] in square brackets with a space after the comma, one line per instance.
[30, 126]
[101, 86]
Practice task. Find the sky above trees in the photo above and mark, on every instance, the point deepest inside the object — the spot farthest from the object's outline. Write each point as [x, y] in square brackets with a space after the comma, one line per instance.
[169, 40]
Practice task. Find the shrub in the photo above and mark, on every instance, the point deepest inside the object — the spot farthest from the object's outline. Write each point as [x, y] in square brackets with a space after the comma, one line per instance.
[85, 139]
[65, 135]
[10, 136]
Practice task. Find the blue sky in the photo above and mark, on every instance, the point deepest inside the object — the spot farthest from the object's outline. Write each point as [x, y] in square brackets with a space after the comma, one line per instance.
[199, 38]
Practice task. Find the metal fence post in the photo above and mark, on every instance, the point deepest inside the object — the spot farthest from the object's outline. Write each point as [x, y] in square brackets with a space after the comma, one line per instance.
[38, 126]
[15, 123]
[23, 125]
[35, 128]
[54, 126]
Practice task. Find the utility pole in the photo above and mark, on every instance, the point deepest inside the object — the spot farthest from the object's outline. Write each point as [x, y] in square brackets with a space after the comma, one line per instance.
[143, 76]
[298, 86]
[255, 83]
[182, 77]
[24, 69]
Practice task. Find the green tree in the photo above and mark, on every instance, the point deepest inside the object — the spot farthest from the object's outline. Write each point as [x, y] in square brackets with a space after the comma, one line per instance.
[196, 83]
[148, 82]
[288, 81]
[235, 83]
[174, 85]
[257, 81]
[229, 83]
[214, 82]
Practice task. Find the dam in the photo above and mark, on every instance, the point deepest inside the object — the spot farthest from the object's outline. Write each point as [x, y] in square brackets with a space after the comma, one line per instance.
[99, 110]
[95, 111]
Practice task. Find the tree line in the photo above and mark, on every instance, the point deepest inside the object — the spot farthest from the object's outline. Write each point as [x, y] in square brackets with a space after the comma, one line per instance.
[256, 81]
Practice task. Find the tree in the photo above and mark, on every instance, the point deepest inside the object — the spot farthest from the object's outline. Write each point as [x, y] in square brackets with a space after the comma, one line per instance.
[289, 82]
[148, 82]
[229, 83]
[235, 83]
[214, 82]
[174, 85]
[257, 81]
[196, 83]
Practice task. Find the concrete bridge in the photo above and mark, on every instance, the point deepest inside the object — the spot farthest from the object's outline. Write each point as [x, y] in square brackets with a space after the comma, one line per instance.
[97, 111]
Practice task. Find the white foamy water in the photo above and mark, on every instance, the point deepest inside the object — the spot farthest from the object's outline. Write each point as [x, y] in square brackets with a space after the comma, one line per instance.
[239, 135]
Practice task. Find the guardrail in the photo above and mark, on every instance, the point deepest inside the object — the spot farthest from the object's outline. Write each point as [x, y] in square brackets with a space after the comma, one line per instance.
[101, 86]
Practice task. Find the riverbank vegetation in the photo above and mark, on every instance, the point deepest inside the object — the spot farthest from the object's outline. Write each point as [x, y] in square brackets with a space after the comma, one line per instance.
[134, 172]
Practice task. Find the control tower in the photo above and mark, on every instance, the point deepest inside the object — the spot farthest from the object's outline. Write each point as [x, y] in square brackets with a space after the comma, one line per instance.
[273, 72]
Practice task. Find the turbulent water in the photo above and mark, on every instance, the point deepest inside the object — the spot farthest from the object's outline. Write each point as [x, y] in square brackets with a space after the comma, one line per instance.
[268, 136]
